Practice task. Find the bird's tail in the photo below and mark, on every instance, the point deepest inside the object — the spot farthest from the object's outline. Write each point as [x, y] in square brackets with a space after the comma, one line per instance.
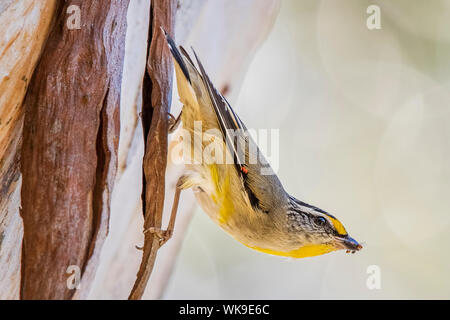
[186, 73]
[177, 55]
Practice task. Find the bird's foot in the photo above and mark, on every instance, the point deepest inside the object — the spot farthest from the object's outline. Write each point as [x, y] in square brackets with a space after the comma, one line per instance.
[163, 235]
[173, 122]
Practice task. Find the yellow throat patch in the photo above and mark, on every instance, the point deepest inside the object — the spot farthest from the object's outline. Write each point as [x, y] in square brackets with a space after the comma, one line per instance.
[302, 252]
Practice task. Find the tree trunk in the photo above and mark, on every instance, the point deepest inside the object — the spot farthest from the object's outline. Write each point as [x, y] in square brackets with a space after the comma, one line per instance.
[69, 153]
[24, 29]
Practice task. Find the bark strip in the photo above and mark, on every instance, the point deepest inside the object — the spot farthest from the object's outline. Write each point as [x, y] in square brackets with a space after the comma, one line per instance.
[24, 28]
[69, 154]
[156, 101]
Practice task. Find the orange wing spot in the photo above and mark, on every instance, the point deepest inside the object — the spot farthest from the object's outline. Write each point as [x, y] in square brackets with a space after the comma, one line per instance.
[244, 170]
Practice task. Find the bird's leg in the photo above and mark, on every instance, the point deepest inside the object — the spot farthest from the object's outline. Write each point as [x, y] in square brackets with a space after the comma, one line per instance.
[174, 122]
[165, 235]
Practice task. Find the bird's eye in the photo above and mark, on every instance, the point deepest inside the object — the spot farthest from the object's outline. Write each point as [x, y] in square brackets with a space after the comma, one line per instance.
[320, 221]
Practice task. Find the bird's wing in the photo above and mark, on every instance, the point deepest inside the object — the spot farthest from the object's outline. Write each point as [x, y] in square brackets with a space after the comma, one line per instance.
[229, 123]
[258, 187]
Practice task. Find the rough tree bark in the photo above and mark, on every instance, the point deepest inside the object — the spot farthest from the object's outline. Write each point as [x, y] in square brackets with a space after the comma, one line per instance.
[24, 28]
[156, 101]
[69, 153]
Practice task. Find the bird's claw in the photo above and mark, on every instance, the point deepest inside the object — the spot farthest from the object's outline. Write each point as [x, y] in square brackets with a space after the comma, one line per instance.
[163, 235]
[173, 122]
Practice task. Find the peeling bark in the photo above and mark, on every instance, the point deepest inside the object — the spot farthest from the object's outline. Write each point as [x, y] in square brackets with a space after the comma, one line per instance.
[156, 101]
[69, 154]
[24, 29]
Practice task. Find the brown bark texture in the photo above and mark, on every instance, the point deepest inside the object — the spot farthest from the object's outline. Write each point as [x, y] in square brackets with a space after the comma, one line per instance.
[24, 28]
[157, 89]
[69, 153]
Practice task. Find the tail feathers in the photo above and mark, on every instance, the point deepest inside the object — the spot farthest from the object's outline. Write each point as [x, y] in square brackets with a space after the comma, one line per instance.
[186, 75]
[177, 55]
[186, 55]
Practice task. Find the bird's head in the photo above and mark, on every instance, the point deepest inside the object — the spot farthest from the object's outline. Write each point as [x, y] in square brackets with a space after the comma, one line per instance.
[317, 231]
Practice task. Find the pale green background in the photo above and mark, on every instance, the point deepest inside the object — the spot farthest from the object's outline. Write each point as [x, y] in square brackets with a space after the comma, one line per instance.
[364, 133]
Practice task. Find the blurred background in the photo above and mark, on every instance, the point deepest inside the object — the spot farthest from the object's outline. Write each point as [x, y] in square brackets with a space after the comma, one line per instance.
[364, 120]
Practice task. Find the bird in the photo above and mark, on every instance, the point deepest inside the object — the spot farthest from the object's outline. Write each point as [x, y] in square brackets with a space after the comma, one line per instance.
[243, 196]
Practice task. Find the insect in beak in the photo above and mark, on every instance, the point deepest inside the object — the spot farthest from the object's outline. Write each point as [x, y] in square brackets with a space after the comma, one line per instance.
[347, 243]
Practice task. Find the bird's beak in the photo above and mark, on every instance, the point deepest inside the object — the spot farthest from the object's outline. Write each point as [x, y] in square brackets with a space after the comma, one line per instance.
[347, 243]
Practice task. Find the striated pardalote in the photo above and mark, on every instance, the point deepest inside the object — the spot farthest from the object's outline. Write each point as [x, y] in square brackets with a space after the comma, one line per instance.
[243, 196]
